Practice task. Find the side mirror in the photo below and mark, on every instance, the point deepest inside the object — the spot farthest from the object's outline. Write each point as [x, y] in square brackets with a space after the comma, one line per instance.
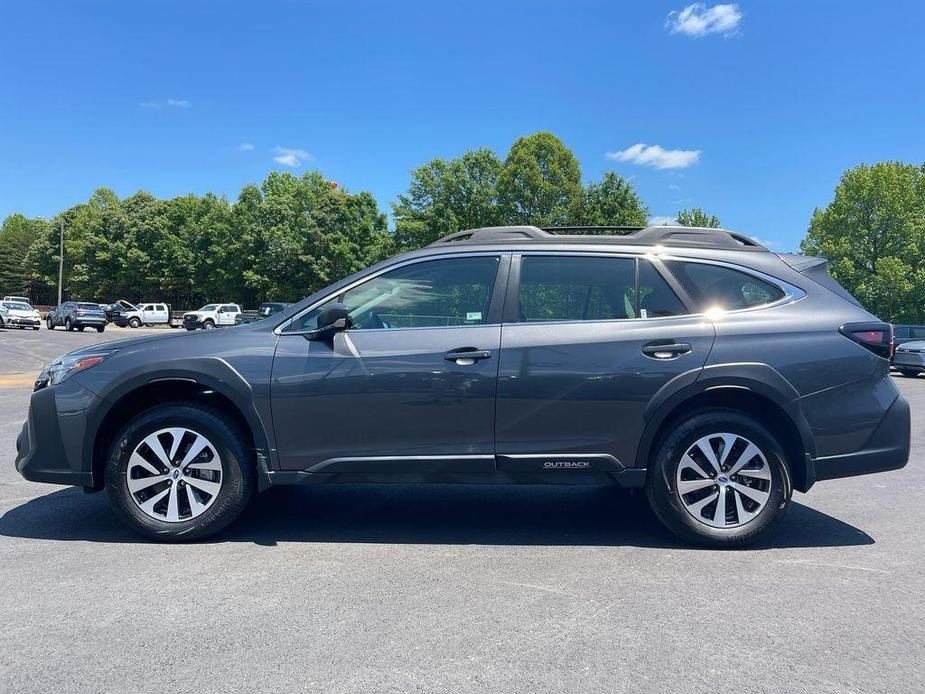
[332, 319]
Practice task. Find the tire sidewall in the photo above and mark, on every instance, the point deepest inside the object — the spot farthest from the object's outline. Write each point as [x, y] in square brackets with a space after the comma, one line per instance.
[661, 485]
[237, 471]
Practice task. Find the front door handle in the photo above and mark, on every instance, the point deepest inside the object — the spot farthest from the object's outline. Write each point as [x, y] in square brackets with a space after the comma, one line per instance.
[465, 356]
[666, 350]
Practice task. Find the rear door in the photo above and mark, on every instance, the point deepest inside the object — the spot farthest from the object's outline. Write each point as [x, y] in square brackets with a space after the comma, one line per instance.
[587, 341]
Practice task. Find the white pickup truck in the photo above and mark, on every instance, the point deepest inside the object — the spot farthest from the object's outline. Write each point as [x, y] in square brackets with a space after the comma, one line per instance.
[211, 316]
[148, 314]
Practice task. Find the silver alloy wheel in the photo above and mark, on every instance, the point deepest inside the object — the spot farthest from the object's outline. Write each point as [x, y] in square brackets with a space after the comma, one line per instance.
[723, 480]
[174, 474]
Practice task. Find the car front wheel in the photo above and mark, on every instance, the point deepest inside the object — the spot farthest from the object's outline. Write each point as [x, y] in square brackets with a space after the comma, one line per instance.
[134, 323]
[208, 325]
[49, 324]
[180, 472]
[68, 325]
[719, 478]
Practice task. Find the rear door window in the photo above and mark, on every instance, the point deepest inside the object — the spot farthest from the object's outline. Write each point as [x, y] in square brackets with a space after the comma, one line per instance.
[717, 286]
[576, 288]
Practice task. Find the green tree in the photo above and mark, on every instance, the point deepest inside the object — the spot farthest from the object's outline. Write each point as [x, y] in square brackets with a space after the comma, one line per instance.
[613, 202]
[873, 232]
[447, 196]
[696, 217]
[540, 182]
[16, 237]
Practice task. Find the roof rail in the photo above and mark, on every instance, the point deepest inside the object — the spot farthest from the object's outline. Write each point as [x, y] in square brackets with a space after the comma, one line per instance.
[652, 235]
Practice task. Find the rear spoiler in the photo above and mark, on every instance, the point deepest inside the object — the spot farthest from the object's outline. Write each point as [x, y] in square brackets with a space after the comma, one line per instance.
[802, 263]
[816, 269]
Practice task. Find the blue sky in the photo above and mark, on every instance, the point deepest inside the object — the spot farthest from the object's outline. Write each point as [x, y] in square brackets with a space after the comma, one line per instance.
[758, 107]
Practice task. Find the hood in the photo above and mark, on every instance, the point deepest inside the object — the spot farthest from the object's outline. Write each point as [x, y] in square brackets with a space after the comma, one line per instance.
[911, 346]
[115, 345]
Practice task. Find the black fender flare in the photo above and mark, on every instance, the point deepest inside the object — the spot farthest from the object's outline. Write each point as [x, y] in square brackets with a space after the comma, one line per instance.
[756, 378]
[213, 373]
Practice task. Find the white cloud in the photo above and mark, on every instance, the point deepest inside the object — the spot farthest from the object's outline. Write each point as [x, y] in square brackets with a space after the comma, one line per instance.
[661, 220]
[172, 103]
[698, 20]
[291, 157]
[653, 155]
[672, 186]
[245, 147]
[765, 242]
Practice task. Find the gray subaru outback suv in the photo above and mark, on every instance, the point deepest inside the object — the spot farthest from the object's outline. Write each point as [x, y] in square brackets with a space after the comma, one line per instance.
[693, 363]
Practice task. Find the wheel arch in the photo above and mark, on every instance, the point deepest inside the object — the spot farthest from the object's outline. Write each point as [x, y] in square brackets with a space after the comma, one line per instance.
[755, 389]
[145, 392]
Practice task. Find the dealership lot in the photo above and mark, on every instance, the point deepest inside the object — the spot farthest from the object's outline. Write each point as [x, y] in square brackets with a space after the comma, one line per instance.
[455, 588]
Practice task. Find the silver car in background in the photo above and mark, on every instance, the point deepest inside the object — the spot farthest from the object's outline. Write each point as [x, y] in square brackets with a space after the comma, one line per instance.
[909, 358]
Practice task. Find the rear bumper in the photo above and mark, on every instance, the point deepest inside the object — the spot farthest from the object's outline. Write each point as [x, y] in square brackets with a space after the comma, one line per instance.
[91, 321]
[50, 446]
[887, 449]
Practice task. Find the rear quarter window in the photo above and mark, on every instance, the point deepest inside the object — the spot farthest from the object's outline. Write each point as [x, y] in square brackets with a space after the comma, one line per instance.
[717, 286]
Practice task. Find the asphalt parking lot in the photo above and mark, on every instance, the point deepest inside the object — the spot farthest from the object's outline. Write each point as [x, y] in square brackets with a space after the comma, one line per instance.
[346, 589]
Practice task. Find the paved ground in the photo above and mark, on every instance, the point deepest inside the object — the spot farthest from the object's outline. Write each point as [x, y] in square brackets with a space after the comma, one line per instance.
[456, 588]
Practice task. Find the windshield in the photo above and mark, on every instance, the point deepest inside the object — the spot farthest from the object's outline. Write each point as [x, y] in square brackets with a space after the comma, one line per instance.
[17, 306]
[88, 307]
[209, 307]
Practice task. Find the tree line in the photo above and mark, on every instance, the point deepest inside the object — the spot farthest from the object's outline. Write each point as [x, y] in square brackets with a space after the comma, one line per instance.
[292, 235]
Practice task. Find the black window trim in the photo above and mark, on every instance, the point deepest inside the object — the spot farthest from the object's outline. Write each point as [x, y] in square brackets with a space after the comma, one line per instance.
[510, 311]
[495, 304]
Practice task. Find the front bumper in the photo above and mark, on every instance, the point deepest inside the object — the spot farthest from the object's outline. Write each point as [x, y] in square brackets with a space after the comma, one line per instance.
[50, 447]
[909, 360]
[887, 449]
[192, 323]
[23, 322]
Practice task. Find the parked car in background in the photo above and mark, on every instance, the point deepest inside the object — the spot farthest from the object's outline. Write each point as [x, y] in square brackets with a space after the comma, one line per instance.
[265, 310]
[20, 299]
[211, 316]
[147, 314]
[909, 358]
[907, 333]
[117, 308]
[77, 315]
[692, 363]
[17, 314]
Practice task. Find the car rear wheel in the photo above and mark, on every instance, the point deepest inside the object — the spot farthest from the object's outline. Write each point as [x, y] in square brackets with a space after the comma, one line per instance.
[49, 324]
[100, 328]
[909, 373]
[180, 472]
[719, 478]
[80, 328]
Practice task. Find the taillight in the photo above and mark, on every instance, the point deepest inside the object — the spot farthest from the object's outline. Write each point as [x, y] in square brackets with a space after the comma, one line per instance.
[877, 337]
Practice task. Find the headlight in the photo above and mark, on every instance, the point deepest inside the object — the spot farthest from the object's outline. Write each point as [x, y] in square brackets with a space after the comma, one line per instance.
[66, 366]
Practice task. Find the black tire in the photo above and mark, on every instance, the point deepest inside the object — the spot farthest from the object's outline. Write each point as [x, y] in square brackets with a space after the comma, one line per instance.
[35, 327]
[909, 373]
[100, 328]
[80, 328]
[49, 324]
[68, 325]
[191, 328]
[208, 324]
[661, 485]
[238, 471]
[134, 323]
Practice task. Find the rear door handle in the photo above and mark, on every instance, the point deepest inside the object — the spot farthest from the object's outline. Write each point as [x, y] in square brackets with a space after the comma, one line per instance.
[464, 356]
[664, 350]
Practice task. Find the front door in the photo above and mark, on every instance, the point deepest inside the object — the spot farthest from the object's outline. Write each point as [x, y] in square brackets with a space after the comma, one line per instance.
[410, 387]
[587, 341]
